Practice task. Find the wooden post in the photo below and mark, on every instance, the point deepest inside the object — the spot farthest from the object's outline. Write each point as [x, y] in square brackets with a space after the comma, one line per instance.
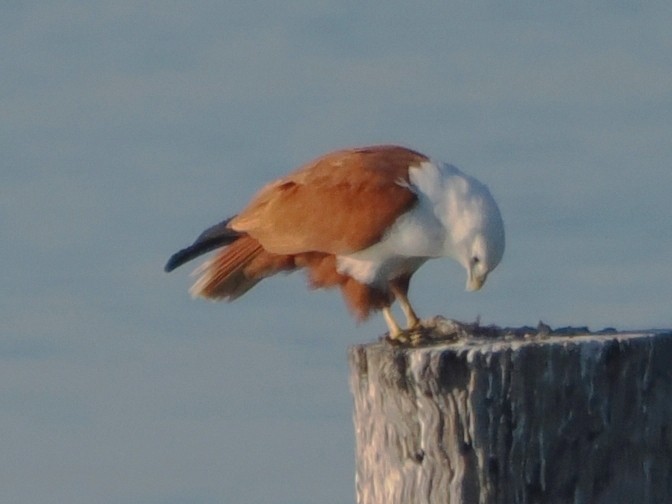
[520, 417]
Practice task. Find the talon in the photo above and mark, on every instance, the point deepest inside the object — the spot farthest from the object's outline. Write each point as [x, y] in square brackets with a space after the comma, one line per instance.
[417, 338]
[415, 326]
[414, 337]
[398, 340]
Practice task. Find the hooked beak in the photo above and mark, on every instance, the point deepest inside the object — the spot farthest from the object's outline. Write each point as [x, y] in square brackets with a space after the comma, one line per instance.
[475, 282]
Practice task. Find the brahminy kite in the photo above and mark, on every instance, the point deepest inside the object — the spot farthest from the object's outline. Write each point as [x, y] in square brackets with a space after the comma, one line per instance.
[361, 219]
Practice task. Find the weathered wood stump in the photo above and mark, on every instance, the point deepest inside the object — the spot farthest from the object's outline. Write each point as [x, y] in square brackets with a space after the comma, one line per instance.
[514, 417]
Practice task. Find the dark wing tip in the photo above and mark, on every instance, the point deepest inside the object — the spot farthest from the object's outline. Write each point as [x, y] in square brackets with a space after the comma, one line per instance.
[178, 259]
[212, 238]
[193, 251]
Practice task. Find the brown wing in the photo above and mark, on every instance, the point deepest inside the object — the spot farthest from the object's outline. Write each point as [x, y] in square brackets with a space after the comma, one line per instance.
[339, 203]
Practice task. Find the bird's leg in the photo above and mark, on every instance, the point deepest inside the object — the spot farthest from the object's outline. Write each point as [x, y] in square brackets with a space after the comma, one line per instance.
[395, 330]
[415, 333]
[400, 290]
[412, 320]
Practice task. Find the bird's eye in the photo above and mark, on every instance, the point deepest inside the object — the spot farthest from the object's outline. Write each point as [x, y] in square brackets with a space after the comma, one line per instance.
[475, 260]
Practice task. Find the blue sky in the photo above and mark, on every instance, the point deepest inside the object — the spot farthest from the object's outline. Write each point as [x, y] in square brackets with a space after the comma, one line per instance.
[126, 128]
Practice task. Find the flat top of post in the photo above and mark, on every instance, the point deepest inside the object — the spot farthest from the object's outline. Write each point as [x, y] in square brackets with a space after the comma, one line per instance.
[461, 337]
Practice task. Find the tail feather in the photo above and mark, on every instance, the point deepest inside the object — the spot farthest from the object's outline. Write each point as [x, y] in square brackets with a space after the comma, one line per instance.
[227, 275]
[212, 238]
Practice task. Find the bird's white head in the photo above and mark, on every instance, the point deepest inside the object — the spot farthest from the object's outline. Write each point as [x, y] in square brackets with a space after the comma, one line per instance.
[481, 244]
[473, 224]
[482, 256]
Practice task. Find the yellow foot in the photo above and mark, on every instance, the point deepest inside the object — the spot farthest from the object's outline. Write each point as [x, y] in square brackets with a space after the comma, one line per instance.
[413, 336]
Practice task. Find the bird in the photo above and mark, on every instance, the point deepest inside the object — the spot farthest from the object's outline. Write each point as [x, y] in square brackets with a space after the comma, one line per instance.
[362, 219]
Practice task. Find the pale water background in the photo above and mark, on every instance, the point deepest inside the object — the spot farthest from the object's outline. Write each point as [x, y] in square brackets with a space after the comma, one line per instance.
[128, 127]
